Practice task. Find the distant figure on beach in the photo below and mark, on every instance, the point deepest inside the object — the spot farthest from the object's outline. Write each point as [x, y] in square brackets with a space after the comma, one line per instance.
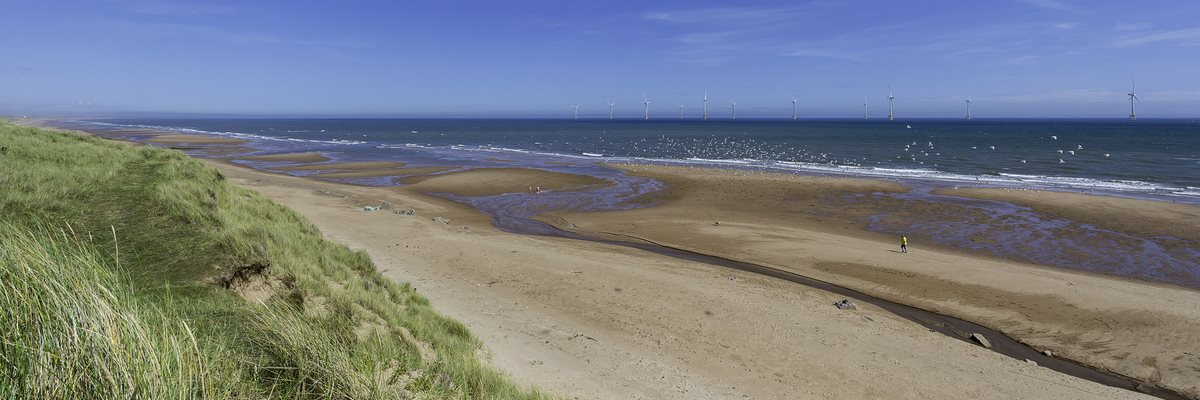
[903, 244]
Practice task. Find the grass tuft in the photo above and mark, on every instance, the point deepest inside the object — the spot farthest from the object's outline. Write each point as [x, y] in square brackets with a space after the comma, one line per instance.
[137, 272]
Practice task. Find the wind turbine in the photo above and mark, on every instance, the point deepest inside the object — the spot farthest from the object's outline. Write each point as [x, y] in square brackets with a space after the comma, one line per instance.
[1133, 98]
[681, 111]
[610, 109]
[968, 108]
[733, 105]
[891, 98]
[576, 108]
[706, 105]
[793, 108]
[866, 104]
[646, 115]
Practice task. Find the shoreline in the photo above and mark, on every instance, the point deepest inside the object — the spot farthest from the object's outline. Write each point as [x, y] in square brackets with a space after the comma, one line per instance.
[474, 220]
[1139, 190]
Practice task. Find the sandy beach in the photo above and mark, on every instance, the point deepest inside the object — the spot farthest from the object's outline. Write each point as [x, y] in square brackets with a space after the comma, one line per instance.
[598, 321]
[799, 224]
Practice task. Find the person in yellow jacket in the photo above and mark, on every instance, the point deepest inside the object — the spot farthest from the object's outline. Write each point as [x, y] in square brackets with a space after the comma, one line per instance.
[903, 244]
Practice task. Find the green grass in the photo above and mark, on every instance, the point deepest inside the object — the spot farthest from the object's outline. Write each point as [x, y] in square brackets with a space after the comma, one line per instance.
[135, 272]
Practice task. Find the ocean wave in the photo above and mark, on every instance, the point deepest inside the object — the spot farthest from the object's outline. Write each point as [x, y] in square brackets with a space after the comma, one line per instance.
[236, 135]
[1001, 179]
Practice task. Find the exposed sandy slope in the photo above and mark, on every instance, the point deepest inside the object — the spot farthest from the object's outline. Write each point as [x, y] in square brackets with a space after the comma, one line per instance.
[601, 322]
[797, 223]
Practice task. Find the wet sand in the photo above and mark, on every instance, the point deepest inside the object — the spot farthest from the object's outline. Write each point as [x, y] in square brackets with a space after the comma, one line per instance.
[1152, 218]
[310, 157]
[193, 139]
[596, 321]
[803, 225]
[494, 181]
[374, 173]
[343, 166]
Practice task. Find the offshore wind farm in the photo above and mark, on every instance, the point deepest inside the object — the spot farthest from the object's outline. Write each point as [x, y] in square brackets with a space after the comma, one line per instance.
[795, 112]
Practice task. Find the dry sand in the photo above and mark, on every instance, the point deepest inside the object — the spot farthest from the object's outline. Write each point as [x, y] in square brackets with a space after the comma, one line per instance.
[801, 224]
[596, 321]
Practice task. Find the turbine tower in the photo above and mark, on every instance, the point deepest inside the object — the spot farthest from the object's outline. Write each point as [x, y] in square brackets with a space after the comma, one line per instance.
[706, 105]
[866, 104]
[968, 108]
[891, 98]
[1133, 98]
[576, 108]
[733, 105]
[610, 109]
[646, 114]
[793, 108]
[681, 111]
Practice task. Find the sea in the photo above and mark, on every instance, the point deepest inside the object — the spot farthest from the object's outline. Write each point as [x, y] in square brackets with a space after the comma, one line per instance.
[1152, 158]
[1149, 159]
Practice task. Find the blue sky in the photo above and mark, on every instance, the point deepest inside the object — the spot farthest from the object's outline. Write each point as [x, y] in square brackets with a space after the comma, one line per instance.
[536, 58]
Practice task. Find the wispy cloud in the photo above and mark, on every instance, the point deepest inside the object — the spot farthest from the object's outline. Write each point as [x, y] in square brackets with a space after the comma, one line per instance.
[175, 8]
[1051, 4]
[822, 53]
[722, 15]
[246, 37]
[1126, 26]
[1188, 37]
[707, 38]
[714, 35]
[1066, 26]
[1070, 95]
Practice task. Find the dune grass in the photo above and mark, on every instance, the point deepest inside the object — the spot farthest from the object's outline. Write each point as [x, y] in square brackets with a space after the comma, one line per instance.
[136, 272]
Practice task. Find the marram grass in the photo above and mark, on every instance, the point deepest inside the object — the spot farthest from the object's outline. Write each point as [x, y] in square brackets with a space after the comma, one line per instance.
[136, 272]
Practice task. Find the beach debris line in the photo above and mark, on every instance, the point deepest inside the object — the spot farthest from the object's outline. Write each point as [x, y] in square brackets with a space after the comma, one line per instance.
[372, 208]
[406, 212]
[845, 304]
[981, 340]
[443, 220]
[580, 335]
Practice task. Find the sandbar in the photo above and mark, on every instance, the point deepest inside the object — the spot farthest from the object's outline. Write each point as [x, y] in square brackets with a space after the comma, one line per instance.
[195, 139]
[309, 157]
[495, 181]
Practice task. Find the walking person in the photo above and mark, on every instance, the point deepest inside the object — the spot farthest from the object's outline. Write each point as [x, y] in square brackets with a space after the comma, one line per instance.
[903, 244]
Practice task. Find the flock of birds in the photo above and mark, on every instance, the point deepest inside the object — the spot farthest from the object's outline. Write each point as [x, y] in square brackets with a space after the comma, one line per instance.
[911, 154]
[754, 150]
